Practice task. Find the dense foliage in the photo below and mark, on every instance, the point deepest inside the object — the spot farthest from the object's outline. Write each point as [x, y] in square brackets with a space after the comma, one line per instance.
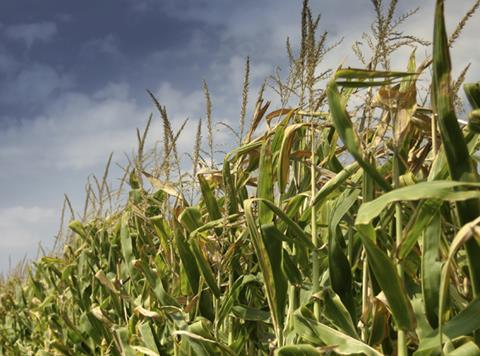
[336, 231]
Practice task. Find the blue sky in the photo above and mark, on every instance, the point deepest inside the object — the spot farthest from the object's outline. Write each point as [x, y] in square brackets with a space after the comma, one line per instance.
[73, 77]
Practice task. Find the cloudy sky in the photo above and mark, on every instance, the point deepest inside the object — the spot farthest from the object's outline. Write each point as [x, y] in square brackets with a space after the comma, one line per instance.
[73, 76]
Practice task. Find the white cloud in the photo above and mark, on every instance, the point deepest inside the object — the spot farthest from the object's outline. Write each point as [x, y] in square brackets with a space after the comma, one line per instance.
[30, 33]
[78, 131]
[22, 226]
[120, 91]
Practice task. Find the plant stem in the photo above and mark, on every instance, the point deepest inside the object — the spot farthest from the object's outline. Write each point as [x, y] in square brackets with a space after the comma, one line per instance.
[364, 295]
[315, 258]
[434, 135]
[231, 320]
[217, 305]
[402, 340]
[292, 301]
[368, 193]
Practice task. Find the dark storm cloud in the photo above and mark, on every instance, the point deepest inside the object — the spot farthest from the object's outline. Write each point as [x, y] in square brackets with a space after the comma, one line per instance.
[83, 45]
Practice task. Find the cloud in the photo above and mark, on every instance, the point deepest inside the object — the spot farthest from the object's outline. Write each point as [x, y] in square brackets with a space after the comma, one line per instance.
[31, 32]
[34, 84]
[22, 226]
[105, 45]
[7, 61]
[77, 131]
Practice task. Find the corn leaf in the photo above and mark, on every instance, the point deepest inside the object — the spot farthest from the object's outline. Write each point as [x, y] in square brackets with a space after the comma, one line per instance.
[319, 334]
[385, 273]
[441, 190]
[459, 161]
[345, 130]
[270, 265]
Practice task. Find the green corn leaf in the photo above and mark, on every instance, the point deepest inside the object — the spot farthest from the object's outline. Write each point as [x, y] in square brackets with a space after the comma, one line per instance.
[124, 346]
[364, 78]
[230, 298]
[293, 227]
[277, 139]
[145, 351]
[420, 221]
[333, 184]
[155, 283]
[364, 84]
[247, 313]
[271, 232]
[358, 73]
[298, 350]
[148, 337]
[126, 241]
[463, 323]
[265, 182]
[472, 91]
[200, 337]
[340, 273]
[338, 314]
[188, 260]
[205, 268]
[459, 161]
[317, 333]
[441, 190]
[215, 223]
[210, 201]
[474, 121]
[431, 269]
[231, 193]
[285, 149]
[338, 264]
[345, 130]
[291, 270]
[191, 218]
[244, 149]
[387, 277]
[78, 228]
[275, 281]
[408, 81]
[469, 348]
[468, 233]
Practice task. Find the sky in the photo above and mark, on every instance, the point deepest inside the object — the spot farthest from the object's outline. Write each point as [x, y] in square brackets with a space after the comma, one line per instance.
[74, 74]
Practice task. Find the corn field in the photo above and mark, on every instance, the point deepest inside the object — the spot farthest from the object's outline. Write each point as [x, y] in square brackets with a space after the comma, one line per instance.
[349, 225]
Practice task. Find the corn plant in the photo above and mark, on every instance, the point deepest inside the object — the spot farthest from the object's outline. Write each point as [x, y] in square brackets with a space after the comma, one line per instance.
[343, 228]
